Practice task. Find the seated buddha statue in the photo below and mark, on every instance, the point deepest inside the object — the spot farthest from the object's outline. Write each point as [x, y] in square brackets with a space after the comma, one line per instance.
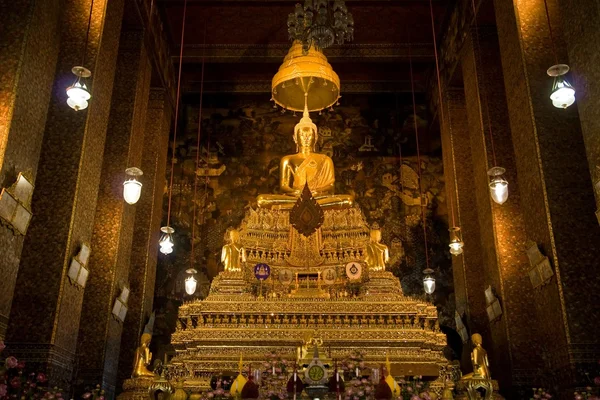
[479, 359]
[306, 167]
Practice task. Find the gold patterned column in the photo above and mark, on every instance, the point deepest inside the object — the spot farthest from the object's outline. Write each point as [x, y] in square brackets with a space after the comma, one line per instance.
[505, 265]
[100, 330]
[29, 43]
[469, 282]
[45, 315]
[558, 203]
[581, 22]
[146, 228]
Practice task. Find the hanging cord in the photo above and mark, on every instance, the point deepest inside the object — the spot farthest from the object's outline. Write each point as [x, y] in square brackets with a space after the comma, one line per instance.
[199, 149]
[477, 56]
[412, 89]
[176, 115]
[87, 34]
[439, 85]
[401, 176]
[551, 33]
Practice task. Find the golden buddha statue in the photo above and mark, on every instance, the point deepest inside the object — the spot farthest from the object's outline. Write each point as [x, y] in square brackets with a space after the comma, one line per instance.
[233, 253]
[306, 167]
[142, 359]
[481, 368]
[378, 253]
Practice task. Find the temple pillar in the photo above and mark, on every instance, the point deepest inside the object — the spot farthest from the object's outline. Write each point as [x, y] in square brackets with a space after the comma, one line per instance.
[100, 331]
[558, 205]
[581, 24]
[46, 310]
[146, 229]
[469, 283]
[29, 41]
[505, 265]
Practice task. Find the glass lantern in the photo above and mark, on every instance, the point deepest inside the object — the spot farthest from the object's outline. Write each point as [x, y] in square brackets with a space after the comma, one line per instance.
[191, 282]
[132, 188]
[78, 92]
[456, 244]
[563, 93]
[166, 240]
[498, 185]
[428, 281]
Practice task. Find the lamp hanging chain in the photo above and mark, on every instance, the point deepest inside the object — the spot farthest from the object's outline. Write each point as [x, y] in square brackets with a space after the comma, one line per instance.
[87, 34]
[551, 33]
[440, 97]
[176, 115]
[477, 57]
[195, 200]
[414, 102]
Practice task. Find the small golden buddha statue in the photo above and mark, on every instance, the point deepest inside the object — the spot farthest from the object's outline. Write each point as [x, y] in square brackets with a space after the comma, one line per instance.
[142, 359]
[481, 367]
[306, 167]
[378, 253]
[233, 254]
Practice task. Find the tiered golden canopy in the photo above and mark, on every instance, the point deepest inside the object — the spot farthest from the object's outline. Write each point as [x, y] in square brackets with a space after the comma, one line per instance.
[305, 75]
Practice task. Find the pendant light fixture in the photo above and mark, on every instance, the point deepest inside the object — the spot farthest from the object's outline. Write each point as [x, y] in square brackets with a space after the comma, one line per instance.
[563, 93]
[78, 92]
[456, 244]
[132, 188]
[498, 184]
[166, 240]
[428, 286]
[190, 281]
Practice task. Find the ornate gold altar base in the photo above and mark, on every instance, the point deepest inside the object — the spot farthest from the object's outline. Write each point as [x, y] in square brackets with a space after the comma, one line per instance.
[211, 334]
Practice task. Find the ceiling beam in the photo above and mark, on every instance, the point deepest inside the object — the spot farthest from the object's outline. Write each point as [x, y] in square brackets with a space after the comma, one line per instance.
[236, 53]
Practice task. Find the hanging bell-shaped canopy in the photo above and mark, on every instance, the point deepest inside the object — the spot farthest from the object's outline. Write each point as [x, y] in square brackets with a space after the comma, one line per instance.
[305, 73]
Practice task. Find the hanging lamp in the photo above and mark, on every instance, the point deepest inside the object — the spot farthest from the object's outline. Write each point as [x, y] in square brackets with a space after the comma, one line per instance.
[428, 287]
[78, 92]
[498, 184]
[456, 244]
[428, 281]
[562, 93]
[166, 241]
[132, 188]
[190, 281]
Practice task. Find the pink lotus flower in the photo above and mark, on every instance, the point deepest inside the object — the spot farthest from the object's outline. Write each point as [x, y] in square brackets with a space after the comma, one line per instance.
[409, 389]
[21, 364]
[3, 390]
[87, 395]
[11, 362]
[210, 395]
[414, 397]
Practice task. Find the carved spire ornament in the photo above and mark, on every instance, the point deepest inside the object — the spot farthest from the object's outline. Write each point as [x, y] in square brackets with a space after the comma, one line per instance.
[307, 215]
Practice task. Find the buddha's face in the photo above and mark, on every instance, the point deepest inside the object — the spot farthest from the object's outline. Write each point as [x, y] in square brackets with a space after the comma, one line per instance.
[234, 236]
[305, 137]
[375, 235]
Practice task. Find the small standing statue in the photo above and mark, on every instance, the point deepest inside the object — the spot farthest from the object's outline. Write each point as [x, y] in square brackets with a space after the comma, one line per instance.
[470, 385]
[377, 253]
[143, 356]
[233, 253]
[481, 368]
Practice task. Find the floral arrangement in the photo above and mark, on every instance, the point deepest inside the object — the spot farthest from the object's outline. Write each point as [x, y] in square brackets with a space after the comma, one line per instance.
[274, 378]
[413, 389]
[96, 394]
[354, 362]
[540, 393]
[359, 389]
[587, 395]
[219, 392]
[16, 384]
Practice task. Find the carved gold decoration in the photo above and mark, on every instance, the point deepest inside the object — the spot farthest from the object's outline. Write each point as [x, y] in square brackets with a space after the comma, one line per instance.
[306, 215]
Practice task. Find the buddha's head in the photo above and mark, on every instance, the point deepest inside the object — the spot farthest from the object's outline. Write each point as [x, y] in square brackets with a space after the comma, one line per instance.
[145, 339]
[476, 339]
[305, 133]
[375, 233]
[232, 235]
